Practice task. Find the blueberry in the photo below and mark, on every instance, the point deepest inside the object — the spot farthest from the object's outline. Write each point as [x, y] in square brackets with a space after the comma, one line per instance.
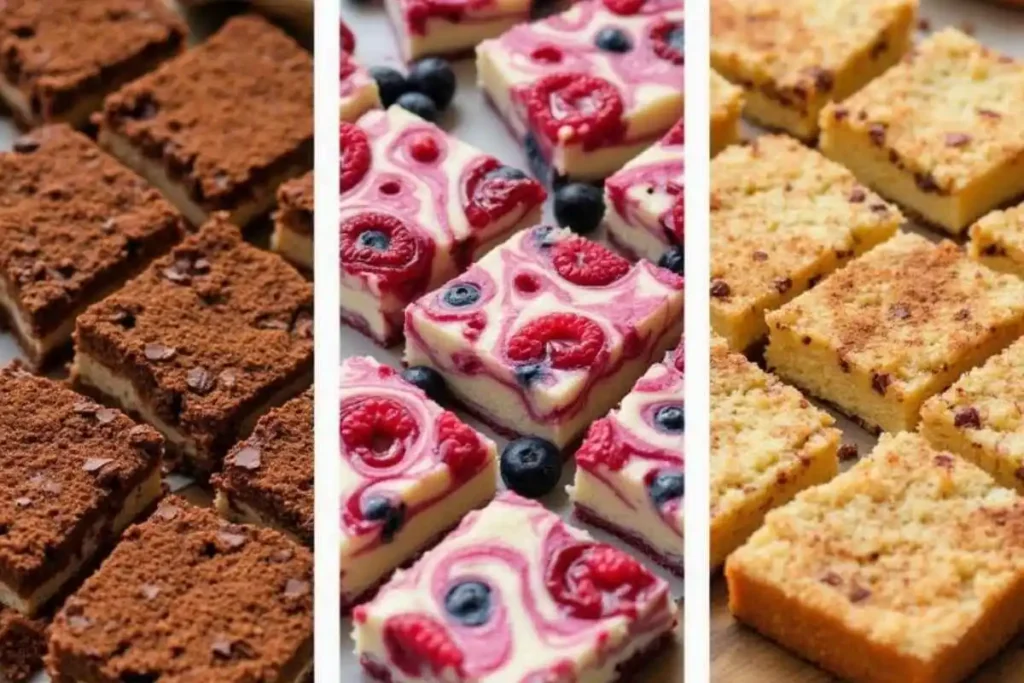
[427, 379]
[538, 164]
[677, 39]
[380, 509]
[671, 419]
[673, 260]
[462, 294]
[506, 173]
[419, 104]
[579, 207]
[613, 40]
[434, 78]
[469, 603]
[375, 239]
[390, 84]
[528, 374]
[531, 466]
[666, 486]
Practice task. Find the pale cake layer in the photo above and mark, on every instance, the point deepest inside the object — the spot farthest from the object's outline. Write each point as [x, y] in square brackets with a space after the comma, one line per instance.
[726, 106]
[997, 240]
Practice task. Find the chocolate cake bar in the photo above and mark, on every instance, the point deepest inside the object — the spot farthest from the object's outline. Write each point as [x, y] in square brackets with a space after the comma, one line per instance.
[22, 646]
[74, 226]
[200, 345]
[60, 58]
[222, 126]
[187, 596]
[268, 478]
[293, 223]
[73, 475]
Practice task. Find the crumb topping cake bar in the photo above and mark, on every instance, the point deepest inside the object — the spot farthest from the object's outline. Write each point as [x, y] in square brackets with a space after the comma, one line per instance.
[997, 240]
[726, 106]
[908, 567]
[894, 327]
[293, 222]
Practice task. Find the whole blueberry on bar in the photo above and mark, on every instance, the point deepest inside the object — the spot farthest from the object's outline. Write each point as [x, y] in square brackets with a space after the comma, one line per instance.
[531, 466]
[462, 294]
[613, 40]
[390, 84]
[507, 173]
[469, 602]
[666, 486]
[434, 78]
[673, 259]
[579, 207]
[380, 509]
[428, 380]
[670, 418]
[418, 104]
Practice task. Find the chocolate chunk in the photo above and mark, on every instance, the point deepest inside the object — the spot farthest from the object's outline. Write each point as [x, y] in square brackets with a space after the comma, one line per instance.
[877, 134]
[157, 352]
[106, 415]
[720, 289]
[222, 647]
[200, 380]
[944, 461]
[283, 555]
[201, 266]
[957, 139]
[841, 113]
[759, 256]
[23, 502]
[303, 326]
[879, 208]
[967, 417]
[85, 408]
[926, 182]
[228, 378]
[295, 588]
[823, 79]
[232, 540]
[857, 195]
[989, 114]
[859, 594]
[962, 314]
[880, 381]
[847, 452]
[248, 458]
[96, 464]
[26, 145]
[832, 579]
[166, 512]
[783, 284]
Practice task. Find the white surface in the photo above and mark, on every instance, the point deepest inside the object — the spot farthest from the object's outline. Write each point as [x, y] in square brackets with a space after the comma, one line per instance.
[472, 120]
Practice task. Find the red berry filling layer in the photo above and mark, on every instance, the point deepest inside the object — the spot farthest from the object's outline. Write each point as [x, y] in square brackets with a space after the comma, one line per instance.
[595, 580]
[355, 154]
[566, 340]
[576, 108]
[420, 646]
[383, 246]
[491, 190]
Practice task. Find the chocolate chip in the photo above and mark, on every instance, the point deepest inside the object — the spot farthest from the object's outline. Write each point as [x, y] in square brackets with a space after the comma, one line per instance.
[200, 380]
[177, 275]
[877, 134]
[149, 591]
[899, 312]
[96, 464]
[106, 415]
[295, 588]
[880, 381]
[232, 541]
[720, 289]
[844, 364]
[859, 594]
[26, 145]
[23, 502]
[841, 113]
[159, 352]
[248, 458]
[1019, 474]
[109, 225]
[926, 182]
[759, 256]
[201, 266]
[878, 207]
[944, 461]
[221, 647]
[847, 452]
[857, 195]
[783, 284]
[125, 319]
[303, 326]
[832, 579]
[967, 417]
[85, 408]
[823, 79]
[962, 314]
[957, 139]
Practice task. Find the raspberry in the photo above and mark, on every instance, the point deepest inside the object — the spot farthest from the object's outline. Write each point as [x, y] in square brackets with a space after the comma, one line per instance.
[665, 40]
[348, 41]
[587, 263]
[676, 135]
[601, 447]
[419, 12]
[595, 580]
[589, 106]
[489, 192]
[414, 641]
[355, 155]
[569, 340]
[547, 54]
[624, 7]
[459, 446]
[383, 245]
[376, 431]
[424, 148]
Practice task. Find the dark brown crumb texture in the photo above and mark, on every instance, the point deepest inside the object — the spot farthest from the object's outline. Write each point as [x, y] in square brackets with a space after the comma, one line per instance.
[295, 201]
[207, 333]
[65, 462]
[272, 470]
[22, 646]
[188, 597]
[226, 116]
[73, 224]
[55, 51]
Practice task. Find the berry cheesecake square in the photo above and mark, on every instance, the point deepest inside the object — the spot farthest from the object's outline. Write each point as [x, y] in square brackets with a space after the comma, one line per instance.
[268, 478]
[60, 58]
[942, 133]
[893, 328]
[629, 470]
[515, 594]
[644, 201]
[220, 127]
[189, 596]
[451, 27]
[358, 88]
[74, 226]
[293, 222]
[911, 563]
[792, 57]
[782, 218]
[205, 341]
[980, 417]
[410, 471]
[726, 107]
[22, 646]
[546, 333]
[589, 89]
[997, 241]
[768, 443]
[417, 208]
[73, 475]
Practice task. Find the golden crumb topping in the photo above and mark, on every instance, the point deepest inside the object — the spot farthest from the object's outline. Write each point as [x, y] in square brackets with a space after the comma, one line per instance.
[950, 112]
[907, 310]
[762, 431]
[800, 47]
[778, 210]
[911, 547]
[726, 98]
[1003, 229]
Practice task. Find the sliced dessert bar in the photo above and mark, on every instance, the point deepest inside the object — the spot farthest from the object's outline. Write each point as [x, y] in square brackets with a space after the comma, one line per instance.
[60, 58]
[417, 207]
[22, 646]
[73, 475]
[201, 344]
[268, 478]
[908, 567]
[644, 201]
[629, 470]
[74, 226]
[782, 218]
[980, 417]
[546, 333]
[186, 595]
[293, 222]
[768, 443]
[726, 106]
[409, 472]
[515, 594]
[794, 56]
[997, 240]
[589, 89]
[942, 133]
[222, 126]
[893, 328]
